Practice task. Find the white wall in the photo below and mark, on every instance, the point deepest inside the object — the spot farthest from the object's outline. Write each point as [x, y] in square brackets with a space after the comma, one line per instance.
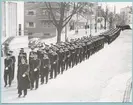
[20, 16]
[12, 16]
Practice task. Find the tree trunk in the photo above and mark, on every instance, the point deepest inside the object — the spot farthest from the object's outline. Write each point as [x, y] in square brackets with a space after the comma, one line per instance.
[59, 35]
[95, 27]
[105, 23]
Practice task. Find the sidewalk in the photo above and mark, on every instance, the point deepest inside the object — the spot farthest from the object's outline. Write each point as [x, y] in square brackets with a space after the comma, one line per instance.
[115, 91]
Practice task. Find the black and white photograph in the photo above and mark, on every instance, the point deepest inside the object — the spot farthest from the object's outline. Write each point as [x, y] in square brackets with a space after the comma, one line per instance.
[64, 52]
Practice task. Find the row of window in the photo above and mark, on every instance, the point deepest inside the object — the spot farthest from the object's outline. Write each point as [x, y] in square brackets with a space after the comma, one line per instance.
[44, 24]
[44, 12]
[31, 33]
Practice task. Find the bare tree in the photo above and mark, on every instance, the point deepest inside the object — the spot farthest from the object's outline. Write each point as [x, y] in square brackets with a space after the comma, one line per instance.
[105, 16]
[111, 20]
[123, 18]
[63, 8]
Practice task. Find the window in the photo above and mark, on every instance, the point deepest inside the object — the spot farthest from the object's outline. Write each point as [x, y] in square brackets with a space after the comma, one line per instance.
[30, 25]
[46, 34]
[47, 24]
[19, 29]
[45, 12]
[30, 33]
[31, 12]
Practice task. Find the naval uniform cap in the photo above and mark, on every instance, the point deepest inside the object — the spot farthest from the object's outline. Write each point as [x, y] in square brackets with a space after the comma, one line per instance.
[8, 54]
[22, 49]
[35, 53]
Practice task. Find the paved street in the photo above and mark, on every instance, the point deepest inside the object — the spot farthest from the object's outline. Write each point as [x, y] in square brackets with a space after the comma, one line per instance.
[87, 81]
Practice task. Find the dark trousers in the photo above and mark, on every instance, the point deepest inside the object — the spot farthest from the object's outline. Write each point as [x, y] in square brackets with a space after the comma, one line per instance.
[7, 77]
[44, 74]
[73, 60]
[53, 70]
[81, 57]
[24, 91]
[13, 69]
[59, 67]
[77, 59]
[34, 79]
[62, 67]
[67, 63]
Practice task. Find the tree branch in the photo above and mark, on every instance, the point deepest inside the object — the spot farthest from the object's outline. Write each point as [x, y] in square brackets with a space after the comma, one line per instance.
[51, 12]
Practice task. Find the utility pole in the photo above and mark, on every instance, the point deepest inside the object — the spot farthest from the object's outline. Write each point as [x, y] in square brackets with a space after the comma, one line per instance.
[90, 20]
[96, 13]
[66, 30]
[106, 13]
[114, 16]
[76, 32]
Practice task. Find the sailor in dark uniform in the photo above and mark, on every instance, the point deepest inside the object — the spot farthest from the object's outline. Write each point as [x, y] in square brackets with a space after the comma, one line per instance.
[34, 71]
[53, 61]
[8, 62]
[45, 65]
[24, 53]
[21, 55]
[13, 64]
[61, 60]
[67, 55]
[23, 77]
[31, 55]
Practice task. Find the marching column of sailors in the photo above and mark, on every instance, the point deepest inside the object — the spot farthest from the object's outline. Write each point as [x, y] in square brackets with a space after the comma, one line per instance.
[49, 61]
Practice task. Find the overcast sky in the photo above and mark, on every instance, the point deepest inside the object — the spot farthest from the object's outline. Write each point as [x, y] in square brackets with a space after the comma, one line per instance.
[118, 5]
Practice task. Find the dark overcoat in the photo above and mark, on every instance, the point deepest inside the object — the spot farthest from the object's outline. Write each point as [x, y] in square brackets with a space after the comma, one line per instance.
[23, 82]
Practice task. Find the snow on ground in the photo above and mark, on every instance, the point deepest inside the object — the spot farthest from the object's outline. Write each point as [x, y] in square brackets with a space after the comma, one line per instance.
[86, 82]
[114, 92]
[19, 42]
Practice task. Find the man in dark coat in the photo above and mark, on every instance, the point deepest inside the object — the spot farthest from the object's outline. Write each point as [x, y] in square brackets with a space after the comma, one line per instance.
[67, 55]
[61, 60]
[8, 62]
[31, 56]
[45, 64]
[23, 77]
[13, 64]
[53, 62]
[34, 71]
[22, 54]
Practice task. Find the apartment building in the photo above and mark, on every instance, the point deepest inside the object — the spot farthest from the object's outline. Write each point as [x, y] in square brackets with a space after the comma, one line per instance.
[37, 21]
[12, 19]
[126, 14]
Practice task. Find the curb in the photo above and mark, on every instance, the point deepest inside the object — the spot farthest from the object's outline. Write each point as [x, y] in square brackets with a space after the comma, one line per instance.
[128, 91]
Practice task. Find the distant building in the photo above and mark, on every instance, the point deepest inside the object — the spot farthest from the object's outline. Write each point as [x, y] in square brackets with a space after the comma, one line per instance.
[11, 19]
[85, 18]
[126, 14]
[37, 20]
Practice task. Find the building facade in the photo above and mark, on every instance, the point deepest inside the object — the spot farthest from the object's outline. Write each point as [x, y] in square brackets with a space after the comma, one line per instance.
[126, 14]
[37, 21]
[11, 19]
